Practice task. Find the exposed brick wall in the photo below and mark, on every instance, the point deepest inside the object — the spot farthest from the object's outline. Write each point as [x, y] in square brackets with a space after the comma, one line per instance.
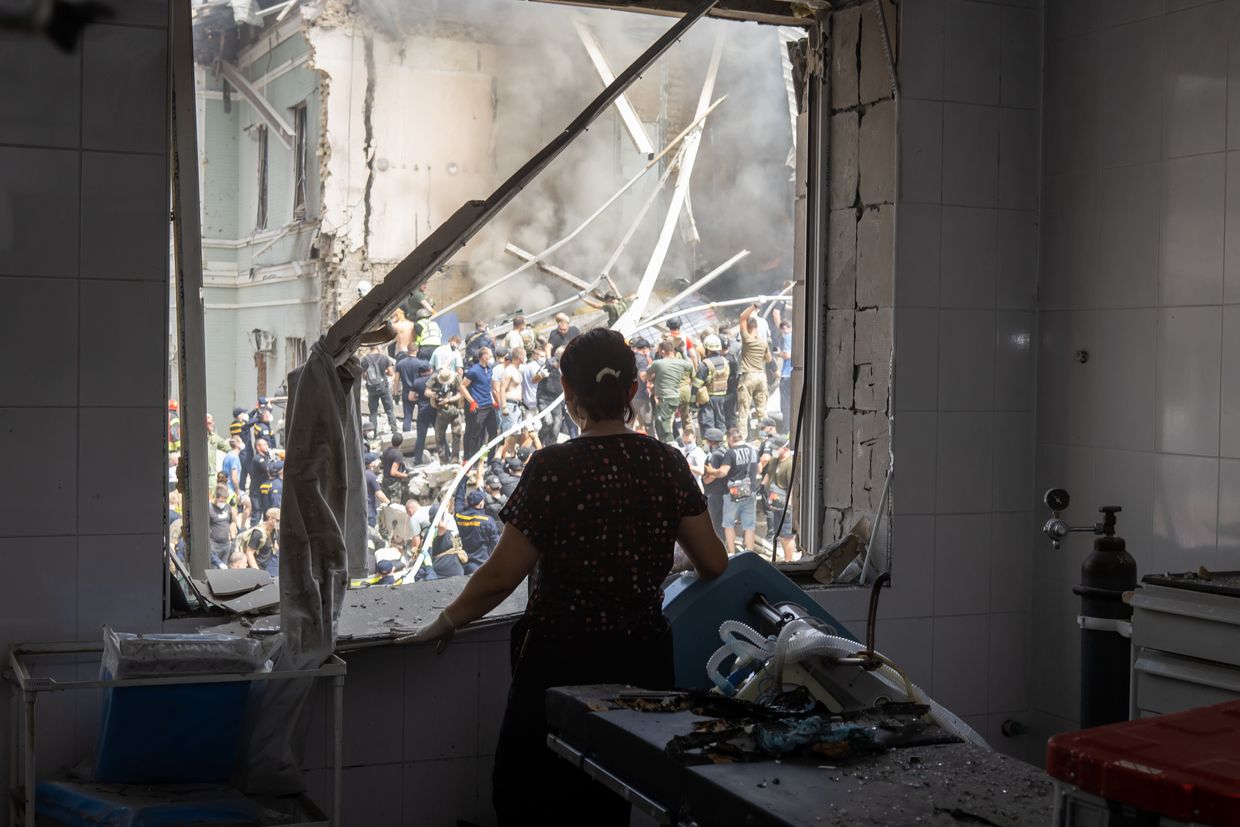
[860, 265]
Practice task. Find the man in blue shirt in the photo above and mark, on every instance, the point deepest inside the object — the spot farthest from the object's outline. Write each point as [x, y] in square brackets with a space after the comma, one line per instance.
[231, 466]
[481, 421]
[785, 372]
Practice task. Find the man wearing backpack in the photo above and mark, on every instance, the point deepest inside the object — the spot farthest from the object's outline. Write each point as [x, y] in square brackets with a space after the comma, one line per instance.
[712, 385]
[259, 543]
[378, 373]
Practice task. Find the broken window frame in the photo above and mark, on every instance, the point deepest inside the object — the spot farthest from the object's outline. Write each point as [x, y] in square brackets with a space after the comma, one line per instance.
[300, 160]
[808, 387]
[264, 169]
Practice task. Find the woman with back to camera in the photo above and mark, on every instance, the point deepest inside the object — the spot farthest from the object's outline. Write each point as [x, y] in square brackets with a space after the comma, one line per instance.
[593, 523]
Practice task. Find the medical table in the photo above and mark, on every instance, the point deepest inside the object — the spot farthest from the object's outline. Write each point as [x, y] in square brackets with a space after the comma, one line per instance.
[596, 728]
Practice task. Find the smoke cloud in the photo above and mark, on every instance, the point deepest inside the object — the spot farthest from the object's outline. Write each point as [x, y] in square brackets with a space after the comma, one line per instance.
[741, 189]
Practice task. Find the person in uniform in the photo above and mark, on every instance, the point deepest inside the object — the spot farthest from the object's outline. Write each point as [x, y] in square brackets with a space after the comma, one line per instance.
[428, 334]
[261, 543]
[260, 472]
[755, 354]
[476, 528]
[445, 398]
[594, 613]
[666, 376]
[777, 482]
[712, 375]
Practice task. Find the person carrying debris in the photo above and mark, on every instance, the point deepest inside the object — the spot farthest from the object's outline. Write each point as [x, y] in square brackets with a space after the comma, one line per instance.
[665, 377]
[755, 353]
[445, 398]
[712, 385]
[594, 613]
[612, 305]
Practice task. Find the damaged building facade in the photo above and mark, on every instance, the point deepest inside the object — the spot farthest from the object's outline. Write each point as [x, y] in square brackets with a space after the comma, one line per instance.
[335, 137]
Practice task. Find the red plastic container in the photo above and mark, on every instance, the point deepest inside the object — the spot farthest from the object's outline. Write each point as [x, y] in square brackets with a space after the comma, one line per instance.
[1184, 766]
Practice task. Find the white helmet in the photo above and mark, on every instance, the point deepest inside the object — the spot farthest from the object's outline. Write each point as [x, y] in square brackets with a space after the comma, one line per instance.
[712, 343]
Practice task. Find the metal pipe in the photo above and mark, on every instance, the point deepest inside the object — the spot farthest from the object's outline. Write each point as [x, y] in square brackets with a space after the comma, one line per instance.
[341, 339]
[702, 282]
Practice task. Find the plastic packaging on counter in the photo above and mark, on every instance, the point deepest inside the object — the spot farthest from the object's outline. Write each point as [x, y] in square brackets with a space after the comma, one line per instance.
[127, 655]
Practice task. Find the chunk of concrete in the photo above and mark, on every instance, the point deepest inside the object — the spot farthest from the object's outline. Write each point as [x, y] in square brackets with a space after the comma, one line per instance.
[845, 36]
[839, 459]
[871, 454]
[878, 154]
[840, 332]
[876, 263]
[232, 582]
[842, 259]
[845, 132]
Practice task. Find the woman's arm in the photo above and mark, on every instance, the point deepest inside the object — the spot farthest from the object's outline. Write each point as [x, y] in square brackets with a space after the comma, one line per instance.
[510, 563]
[702, 546]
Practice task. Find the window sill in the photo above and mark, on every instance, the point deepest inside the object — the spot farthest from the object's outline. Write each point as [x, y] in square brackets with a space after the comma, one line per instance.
[370, 616]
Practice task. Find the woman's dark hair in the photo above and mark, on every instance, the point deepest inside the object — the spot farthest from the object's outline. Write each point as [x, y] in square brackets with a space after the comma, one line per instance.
[599, 366]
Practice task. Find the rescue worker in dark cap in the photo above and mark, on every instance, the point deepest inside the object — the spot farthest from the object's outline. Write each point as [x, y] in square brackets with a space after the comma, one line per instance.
[495, 496]
[478, 530]
[510, 475]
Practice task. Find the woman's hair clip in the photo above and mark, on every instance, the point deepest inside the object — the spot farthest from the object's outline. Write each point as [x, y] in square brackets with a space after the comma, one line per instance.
[598, 377]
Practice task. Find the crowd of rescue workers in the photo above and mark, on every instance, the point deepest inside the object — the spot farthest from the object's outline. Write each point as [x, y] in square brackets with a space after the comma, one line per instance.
[720, 398]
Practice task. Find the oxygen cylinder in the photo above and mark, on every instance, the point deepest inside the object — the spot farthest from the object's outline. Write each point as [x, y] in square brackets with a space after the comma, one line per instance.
[1105, 620]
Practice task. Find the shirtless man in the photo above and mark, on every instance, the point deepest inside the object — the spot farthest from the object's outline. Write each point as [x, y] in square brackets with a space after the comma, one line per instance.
[510, 390]
[404, 332]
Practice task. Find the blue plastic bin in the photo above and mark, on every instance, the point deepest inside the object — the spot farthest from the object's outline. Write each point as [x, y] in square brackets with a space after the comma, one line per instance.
[171, 734]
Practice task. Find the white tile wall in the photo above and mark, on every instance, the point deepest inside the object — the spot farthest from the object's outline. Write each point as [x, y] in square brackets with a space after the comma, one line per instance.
[32, 72]
[968, 257]
[965, 304]
[1128, 242]
[124, 216]
[51, 379]
[970, 155]
[1194, 193]
[1144, 423]
[1195, 46]
[38, 211]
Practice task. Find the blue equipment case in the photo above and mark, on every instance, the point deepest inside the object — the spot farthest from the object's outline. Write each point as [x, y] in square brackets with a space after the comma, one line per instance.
[695, 609]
